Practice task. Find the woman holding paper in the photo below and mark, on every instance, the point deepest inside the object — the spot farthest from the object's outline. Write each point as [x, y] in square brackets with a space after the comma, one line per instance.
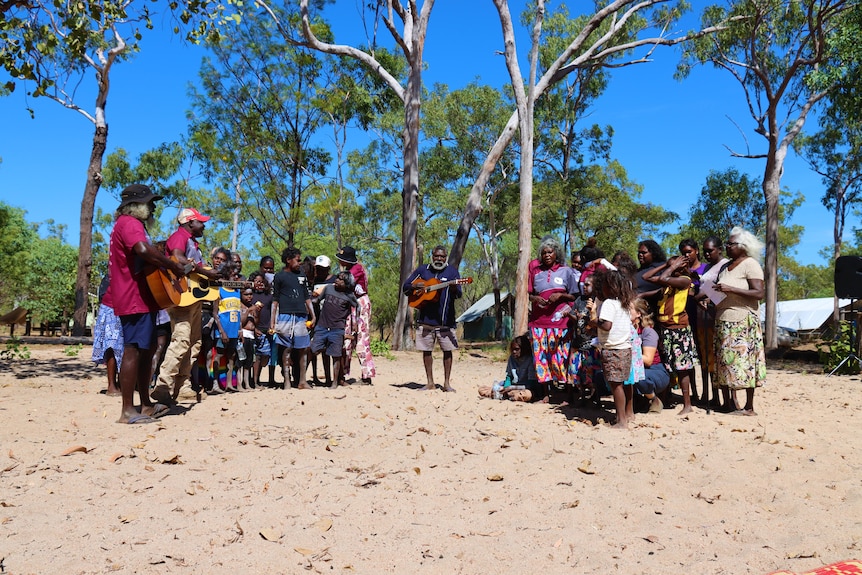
[740, 357]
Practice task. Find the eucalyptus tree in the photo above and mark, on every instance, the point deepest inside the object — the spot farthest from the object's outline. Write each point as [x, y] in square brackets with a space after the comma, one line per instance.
[408, 27]
[52, 47]
[786, 56]
[254, 120]
[835, 153]
[620, 33]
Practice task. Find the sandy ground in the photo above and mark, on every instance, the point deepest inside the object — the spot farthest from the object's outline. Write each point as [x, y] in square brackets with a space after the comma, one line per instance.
[388, 479]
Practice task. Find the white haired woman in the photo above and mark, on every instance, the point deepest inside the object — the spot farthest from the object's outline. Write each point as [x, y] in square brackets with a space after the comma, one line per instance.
[740, 358]
[552, 287]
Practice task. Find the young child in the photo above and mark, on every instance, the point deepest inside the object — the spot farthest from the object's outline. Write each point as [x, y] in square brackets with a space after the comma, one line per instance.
[521, 383]
[614, 331]
[228, 309]
[677, 341]
[338, 302]
[249, 315]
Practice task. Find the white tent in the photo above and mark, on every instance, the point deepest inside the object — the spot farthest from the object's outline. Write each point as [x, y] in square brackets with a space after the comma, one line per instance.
[804, 314]
[479, 308]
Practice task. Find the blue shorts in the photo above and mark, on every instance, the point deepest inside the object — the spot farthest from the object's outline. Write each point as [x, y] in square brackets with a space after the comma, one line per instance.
[329, 341]
[139, 329]
[263, 345]
[291, 331]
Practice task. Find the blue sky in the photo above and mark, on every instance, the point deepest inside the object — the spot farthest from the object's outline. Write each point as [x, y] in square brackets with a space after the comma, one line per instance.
[668, 134]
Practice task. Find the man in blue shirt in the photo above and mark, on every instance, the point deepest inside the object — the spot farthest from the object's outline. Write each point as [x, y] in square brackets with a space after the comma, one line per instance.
[436, 318]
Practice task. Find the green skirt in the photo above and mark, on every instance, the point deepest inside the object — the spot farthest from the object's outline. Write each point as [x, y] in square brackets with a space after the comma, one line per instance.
[739, 356]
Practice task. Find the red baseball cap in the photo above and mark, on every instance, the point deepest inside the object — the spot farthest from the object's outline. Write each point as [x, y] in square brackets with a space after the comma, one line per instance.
[189, 214]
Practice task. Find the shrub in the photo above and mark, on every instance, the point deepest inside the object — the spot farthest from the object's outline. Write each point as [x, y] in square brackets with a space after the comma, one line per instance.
[834, 352]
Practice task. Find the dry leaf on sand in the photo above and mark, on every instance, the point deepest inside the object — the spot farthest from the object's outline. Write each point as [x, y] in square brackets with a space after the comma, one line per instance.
[495, 477]
[270, 534]
[75, 449]
[324, 524]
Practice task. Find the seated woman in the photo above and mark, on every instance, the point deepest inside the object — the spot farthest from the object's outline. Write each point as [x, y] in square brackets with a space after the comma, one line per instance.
[521, 383]
[656, 378]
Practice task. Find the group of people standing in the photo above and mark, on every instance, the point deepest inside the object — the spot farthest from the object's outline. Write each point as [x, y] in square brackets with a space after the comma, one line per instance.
[226, 327]
[635, 327]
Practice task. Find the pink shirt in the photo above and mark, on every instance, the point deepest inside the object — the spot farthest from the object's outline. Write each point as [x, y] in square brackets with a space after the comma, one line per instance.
[128, 290]
[361, 279]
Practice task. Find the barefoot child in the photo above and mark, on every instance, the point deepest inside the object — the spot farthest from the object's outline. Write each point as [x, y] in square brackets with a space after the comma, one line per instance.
[245, 346]
[677, 341]
[521, 383]
[614, 332]
[338, 303]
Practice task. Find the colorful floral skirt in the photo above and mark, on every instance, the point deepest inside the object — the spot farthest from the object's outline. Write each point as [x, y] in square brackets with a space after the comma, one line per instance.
[550, 353]
[739, 355]
[677, 349]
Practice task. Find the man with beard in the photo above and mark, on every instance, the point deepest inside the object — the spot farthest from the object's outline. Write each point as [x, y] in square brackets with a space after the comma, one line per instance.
[175, 375]
[130, 249]
[436, 316]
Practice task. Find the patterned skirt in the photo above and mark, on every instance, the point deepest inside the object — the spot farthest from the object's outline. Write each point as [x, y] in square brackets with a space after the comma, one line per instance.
[362, 343]
[739, 355]
[550, 353]
[677, 349]
[107, 334]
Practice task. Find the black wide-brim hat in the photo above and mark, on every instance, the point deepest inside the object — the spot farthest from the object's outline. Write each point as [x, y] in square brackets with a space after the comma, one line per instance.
[137, 194]
[347, 255]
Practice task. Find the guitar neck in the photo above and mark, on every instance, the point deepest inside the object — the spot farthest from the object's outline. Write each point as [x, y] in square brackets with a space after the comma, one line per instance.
[232, 284]
[441, 285]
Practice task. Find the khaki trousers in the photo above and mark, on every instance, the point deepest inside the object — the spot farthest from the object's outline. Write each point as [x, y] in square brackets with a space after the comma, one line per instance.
[183, 350]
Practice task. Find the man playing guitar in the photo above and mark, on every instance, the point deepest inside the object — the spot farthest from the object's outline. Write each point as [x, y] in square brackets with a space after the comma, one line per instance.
[436, 316]
[175, 376]
[128, 251]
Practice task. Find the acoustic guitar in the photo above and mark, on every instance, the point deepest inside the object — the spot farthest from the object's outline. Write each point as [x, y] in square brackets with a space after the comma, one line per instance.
[166, 286]
[431, 289]
[201, 288]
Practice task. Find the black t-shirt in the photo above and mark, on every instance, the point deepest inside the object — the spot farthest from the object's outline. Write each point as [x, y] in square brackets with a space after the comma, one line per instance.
[290, 292]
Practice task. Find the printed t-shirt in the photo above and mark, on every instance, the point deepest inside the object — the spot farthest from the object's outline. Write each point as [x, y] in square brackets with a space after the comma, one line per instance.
[544, 282]
[336, 308]
[290, 291]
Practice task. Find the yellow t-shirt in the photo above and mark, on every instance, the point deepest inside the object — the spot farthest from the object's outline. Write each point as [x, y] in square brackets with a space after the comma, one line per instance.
[671, 308]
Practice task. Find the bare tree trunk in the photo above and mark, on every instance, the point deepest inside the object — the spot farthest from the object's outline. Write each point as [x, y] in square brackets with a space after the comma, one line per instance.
[237, 197]
[85, 239]
[771, 189]
[837, 232]
[410, 200]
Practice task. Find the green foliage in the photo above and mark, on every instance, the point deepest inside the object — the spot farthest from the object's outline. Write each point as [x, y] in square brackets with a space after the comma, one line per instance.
[253, 124]
[600, 201]
[380, 348]
[73, 350]
[49, 282]
[16, 240]
[728, 198]
[833, 352]
[15, 350]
